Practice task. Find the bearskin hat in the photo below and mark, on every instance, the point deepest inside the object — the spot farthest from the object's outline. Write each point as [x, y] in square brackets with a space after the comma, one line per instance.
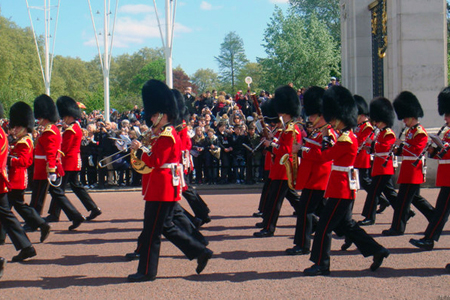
[407, 105]
[68, 107]
[183, 112]
[21, 114]
[361, 104]
[45, 108]
[312, 100]
[158, 98]
[268, 111]
[381, 110]
[339, 104]
[444, 101]
[286, 101]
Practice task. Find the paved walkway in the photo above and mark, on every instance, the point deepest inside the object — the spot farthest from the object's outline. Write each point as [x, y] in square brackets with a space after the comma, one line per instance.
[89, 263]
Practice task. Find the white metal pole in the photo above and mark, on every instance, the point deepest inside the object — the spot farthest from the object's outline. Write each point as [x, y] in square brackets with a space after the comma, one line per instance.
[106, 63]
[46, 53]
[168, 49]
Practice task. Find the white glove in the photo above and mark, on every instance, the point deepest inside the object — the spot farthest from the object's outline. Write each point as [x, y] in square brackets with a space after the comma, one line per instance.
[52, 177]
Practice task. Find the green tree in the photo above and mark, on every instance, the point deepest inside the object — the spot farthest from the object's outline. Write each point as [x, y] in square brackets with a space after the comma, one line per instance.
[231, 59]
[155, 69]
[253, 70]
[299, 50]
[205, 79]
[328, 11]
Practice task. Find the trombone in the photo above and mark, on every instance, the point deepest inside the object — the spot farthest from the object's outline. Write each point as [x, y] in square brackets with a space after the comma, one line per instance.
[121, 144]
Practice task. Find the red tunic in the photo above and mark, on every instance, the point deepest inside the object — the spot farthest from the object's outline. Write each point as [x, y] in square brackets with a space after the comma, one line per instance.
[71, 144]
[416, 138]
[283, 146]
[166, 149]
[46, 153]
[383, 144]
[343, 154]
[21, 158]
[443, 171]
[3, 158]
[362, 132]
[314, 171]
[186, 145]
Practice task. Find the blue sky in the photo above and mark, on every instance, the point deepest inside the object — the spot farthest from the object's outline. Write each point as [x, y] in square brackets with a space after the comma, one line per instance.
[200, 27]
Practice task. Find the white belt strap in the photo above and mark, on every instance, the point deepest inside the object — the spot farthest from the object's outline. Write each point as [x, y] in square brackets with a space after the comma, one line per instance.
[341, 169]
[168, 166]
[409, 158]
[40, 157]
[382, 153]
[444, 162]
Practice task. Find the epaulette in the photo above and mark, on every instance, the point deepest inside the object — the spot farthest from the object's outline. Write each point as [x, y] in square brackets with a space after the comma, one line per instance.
[388, 131]
[49, 128]
[420, 130]
[24, 139]
[345, 137]
[368, 125]
[70, 127]
[168, 131]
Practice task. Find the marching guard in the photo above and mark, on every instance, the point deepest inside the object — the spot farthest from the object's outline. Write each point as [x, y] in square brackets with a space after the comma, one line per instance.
[8, 220]
[69, 112]
[48, 170]
[313, 172]
[21, 125]
[163, 188]
[339, 109]
[442, 209]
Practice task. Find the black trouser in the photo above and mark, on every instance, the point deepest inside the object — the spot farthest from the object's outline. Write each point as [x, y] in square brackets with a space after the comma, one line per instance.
[310, 200]
[11, 225]
[278, 190]
[38, 198]
[264, 194]
[407, 194]
[158, 219]
[337, 216]
[71, 177]
[29, 214]
[197, 204]
[375, 189]
[440, 216]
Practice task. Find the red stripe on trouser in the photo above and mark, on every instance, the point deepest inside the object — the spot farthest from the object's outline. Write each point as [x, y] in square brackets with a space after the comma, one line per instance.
[266, 195]
[151, 237]
[402, 208]
[304, 218]
[325, 231]
[372, 205]
[274, 205]
[441, 217]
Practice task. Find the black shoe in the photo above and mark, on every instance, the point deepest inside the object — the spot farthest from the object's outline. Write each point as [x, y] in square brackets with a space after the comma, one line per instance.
[139, 277]
[366, 222]
[346, 245]
[263, 234]
[411, 214]
[27, 228]
[24, 254]
[316, 270]
[257, 215]
[382, 207]
[296, 250]
[378, 259]
[203, 259]
[447, 268]
[2, 266]
[45, 231]
[132, 256]
[2, 242]
[391, 232]
[206, 220]
[94, 214]
[51, 219]
[77, 223]
[424, 244]
[259, 225]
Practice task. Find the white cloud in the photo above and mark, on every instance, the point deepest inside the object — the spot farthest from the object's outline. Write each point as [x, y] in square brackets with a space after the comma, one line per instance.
[208, 6]
[279, 1]
[136, 9]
